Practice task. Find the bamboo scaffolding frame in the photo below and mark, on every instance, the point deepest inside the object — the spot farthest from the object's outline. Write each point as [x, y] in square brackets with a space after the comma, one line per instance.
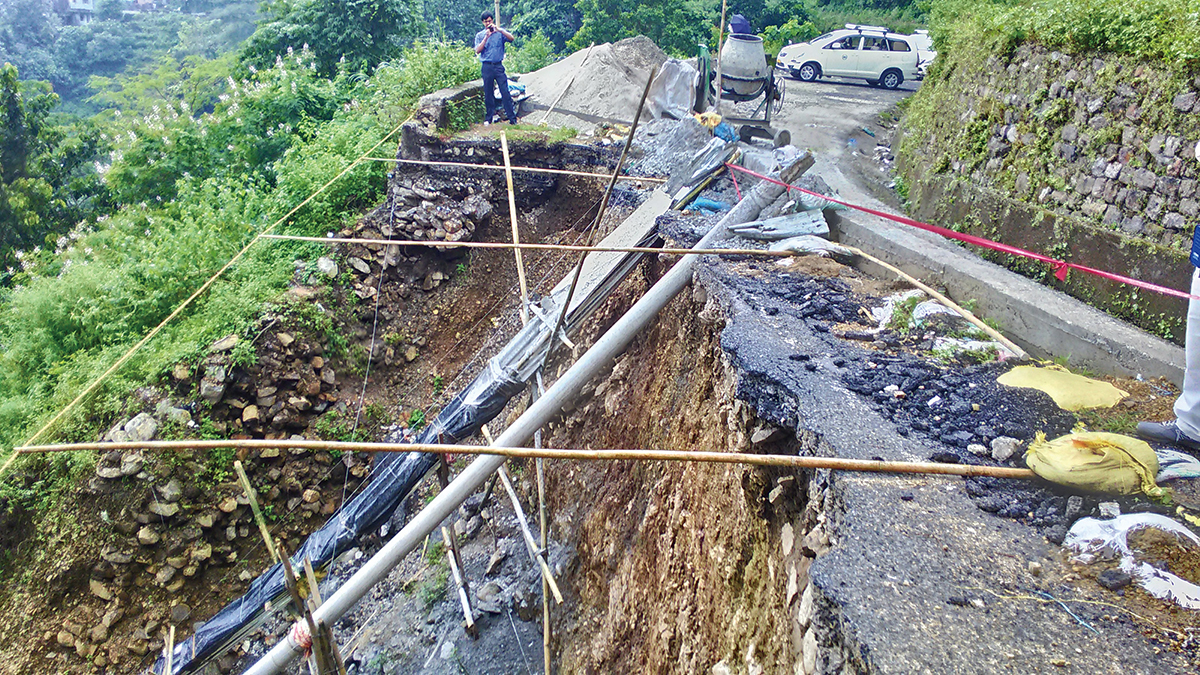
[498, 167]
[797, 462]
[516, 233]
[966, 314]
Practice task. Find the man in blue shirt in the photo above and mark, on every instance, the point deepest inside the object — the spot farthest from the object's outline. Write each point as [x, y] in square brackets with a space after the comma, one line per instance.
[489, 45]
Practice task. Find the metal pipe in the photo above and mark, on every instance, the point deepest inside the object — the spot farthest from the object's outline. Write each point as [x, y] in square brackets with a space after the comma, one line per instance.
[594, 361]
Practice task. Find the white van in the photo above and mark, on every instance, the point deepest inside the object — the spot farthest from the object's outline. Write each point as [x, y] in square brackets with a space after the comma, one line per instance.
[872, 53]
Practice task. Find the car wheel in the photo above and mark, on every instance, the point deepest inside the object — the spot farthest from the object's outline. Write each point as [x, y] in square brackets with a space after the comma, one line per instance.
[891, 79]
[807, 72]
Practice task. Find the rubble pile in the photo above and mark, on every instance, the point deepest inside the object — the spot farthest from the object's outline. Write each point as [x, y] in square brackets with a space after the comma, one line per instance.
[428, 209]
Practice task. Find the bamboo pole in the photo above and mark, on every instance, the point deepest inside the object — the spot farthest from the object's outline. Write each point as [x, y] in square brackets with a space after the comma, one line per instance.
[797, 462]
[258, 516]
[319, 656]
[966, 314]
[569, 83]
[328, 643]
[530, 543]
[497, 167]
[459, 582]
[541, 485]
[516, 234]
[600, 214]
[170, 650]
[540, 247]
[720, 39]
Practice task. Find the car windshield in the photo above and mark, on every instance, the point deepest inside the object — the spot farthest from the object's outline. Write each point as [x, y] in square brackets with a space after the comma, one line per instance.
[818, 40]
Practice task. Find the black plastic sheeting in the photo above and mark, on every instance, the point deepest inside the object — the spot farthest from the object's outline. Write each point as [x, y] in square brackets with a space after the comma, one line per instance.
[394, 475]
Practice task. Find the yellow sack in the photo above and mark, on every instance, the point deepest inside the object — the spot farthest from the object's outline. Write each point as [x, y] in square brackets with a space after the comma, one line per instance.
[1069, 391]
[1096, 462]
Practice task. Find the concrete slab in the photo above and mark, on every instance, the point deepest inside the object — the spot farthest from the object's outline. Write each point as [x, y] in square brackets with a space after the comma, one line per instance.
[1043, 321]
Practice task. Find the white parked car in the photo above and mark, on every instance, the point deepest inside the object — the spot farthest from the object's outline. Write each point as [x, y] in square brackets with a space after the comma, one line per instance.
[872, 53]
[925, 54]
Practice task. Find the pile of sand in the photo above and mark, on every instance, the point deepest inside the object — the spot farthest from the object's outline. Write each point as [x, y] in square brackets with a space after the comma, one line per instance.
[606, 87]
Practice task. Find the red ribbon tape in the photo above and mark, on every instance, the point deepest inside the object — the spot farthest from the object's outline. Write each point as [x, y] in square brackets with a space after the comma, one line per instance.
[1061, 267]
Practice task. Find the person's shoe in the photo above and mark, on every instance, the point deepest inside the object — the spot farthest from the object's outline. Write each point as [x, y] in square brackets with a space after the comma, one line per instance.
[1168, 433]
[513, 122]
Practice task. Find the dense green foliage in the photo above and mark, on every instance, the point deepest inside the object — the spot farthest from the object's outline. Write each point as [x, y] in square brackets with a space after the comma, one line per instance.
[1153, 29]
[347, 34]
[675, 26]
[190, 189]
[47, 173]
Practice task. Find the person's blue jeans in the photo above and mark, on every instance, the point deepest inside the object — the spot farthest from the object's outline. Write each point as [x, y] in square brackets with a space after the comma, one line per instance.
[493, 75]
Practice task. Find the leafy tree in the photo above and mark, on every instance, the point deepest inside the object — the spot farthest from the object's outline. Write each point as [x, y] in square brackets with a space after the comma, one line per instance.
[27, 36]
[360, 33]
[677, 27]
[558, 20]
[47, 178]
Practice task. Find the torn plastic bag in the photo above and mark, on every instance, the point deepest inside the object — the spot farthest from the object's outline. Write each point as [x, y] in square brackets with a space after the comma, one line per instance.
[807, 244]
[1069, 391]
[673, 90]
[1096, 461]
[1173, 465]
[1091, 539]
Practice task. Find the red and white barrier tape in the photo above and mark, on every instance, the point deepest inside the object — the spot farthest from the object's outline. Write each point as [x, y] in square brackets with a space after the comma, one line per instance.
[1061, 267]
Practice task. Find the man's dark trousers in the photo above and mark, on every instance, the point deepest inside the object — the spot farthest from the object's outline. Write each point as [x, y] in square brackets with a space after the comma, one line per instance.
[493, 74]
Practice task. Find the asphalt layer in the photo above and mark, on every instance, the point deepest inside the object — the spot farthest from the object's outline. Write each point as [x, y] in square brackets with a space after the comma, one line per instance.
[908, 552]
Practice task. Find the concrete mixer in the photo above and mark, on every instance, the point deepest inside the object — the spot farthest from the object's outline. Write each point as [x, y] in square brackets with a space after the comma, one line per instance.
[745, 76]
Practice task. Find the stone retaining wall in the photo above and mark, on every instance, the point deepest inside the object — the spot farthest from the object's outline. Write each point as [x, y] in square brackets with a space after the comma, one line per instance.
[1101, 146]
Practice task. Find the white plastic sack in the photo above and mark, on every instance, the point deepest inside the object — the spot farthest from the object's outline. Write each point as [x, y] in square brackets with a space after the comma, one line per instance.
[673, 91]
[1091, 539]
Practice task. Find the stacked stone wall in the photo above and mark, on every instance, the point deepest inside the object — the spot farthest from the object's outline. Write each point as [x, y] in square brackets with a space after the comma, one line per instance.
[1103, 147]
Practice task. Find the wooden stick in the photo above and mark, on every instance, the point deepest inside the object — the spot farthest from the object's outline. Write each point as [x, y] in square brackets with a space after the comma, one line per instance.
[835, 463]
[591, 240]
[540, 247]
[530, 543]
[497, 167]
[516, 234]
[258, 516]
[534, 392]
[720, 39]
[569, 83]
[1008, 344]
[459, 581]
[293, 588]
[170, 651]
[328, 643]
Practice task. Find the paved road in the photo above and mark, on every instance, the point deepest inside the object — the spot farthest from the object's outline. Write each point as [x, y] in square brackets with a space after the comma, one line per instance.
[824, 116]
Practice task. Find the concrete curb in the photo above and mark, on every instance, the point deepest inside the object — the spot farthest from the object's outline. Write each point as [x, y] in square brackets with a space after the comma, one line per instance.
[1044, 321]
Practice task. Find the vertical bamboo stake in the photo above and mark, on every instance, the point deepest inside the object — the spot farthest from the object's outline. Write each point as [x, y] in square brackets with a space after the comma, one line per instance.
[302, 607]
[512, 214]
[541, 480]
[258, 516]
[460, 583]
[170, 651]
[328, 643]
[720, 39]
